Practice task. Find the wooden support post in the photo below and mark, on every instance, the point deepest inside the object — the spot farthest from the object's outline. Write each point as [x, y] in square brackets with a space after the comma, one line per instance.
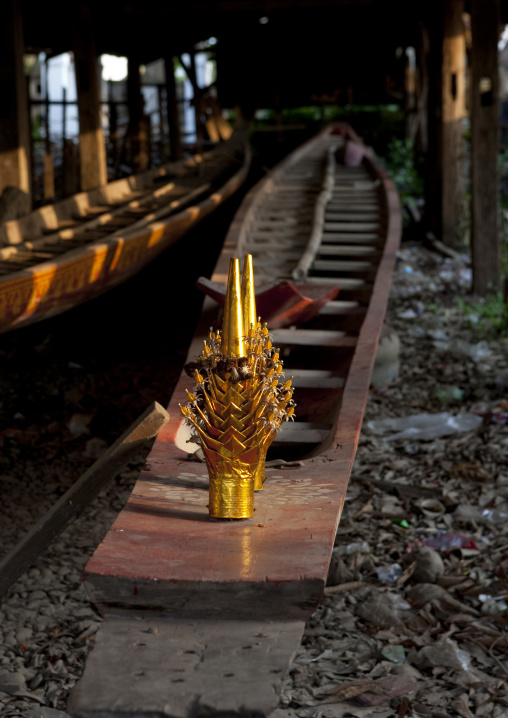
[14, 114]
[71, 169]
[92, 150]
[134, 99]
[70, 165]
[445, 157]
[197, 95]
[175, 137]
[485, 27]
[422, 94]
[113, 124]
[432, 52]
[198, 109]
[453, 94]
[138, 122]
[49, 174]
[160, 113]
[410, 108]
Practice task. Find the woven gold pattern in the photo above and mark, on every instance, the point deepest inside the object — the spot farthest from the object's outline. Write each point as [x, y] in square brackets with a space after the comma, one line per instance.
[239, 402]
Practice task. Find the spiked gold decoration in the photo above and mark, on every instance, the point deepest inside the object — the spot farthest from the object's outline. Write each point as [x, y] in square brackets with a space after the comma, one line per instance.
[239, 402]
[232, 327]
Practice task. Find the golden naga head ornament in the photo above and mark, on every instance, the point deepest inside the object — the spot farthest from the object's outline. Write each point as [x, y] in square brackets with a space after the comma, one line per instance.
[240, 400]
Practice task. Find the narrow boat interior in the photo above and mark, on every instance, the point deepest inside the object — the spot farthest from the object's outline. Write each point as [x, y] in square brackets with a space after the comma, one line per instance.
[278, 220]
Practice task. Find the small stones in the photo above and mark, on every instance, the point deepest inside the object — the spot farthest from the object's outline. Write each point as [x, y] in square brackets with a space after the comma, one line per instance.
[11, 682]
[47, 621]
[24, 634]
[401, 512]
[429, 565]
[338, 572]
[383, 609]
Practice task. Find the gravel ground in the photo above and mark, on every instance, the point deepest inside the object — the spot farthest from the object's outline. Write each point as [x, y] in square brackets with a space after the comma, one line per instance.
[405, 630]
[414, 619]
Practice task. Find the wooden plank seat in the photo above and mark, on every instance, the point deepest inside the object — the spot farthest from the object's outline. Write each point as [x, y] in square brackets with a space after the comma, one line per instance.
[270, 233]
[350, 237]
[344, 282]
[312, 337]
[62, 224]
[344, 250]
[339, 308]
[314, 378]
[332, 265]
[260, 243]
[277, 259]
[353, 204]
[302, 432]
[364, 216]
[351, 226]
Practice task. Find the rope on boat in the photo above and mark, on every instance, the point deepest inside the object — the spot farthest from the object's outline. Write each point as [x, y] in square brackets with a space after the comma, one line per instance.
[301, 270]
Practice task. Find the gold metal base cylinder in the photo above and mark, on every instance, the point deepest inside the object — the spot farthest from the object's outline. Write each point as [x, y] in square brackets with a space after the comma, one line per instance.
[259, 474]
[231, 491]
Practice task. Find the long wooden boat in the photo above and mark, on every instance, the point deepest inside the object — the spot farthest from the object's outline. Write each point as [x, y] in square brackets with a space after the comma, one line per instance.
[203, 617]
[64, 254]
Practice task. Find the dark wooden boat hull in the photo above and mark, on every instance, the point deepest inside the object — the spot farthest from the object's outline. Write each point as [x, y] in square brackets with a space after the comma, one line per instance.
[55, 286]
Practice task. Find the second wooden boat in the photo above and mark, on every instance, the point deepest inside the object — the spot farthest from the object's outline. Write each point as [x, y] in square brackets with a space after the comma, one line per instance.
[203, 617]
[64, 254]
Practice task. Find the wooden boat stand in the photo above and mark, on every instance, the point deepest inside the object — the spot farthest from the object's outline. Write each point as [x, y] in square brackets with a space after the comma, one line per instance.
[204, 617]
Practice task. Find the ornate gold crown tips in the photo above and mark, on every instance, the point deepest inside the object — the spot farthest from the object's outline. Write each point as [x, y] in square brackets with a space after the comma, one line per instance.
[240, 400]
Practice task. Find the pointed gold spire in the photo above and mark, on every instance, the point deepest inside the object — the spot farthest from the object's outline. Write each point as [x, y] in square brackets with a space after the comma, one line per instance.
[232, 327]
[248, 296]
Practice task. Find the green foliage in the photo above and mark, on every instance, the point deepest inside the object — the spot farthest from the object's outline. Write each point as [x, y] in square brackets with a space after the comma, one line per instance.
[376, 124]
[37, 133]
[434, 308]
[487, 317]
[400, 163]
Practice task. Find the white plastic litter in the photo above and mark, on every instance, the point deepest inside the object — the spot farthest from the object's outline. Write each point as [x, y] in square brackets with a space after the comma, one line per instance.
[460, 348]
[425, 426]
[326, 654]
